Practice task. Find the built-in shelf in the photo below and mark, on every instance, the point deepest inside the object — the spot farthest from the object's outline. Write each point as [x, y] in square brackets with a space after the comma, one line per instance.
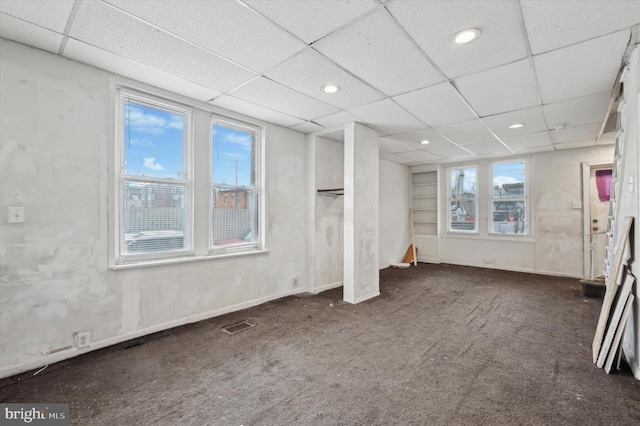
[335, 191]
[425, 196]
[425, 221]
[425, 210]
[424, 184]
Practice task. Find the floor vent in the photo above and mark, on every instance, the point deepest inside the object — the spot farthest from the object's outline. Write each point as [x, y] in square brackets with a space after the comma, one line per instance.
[237, 328]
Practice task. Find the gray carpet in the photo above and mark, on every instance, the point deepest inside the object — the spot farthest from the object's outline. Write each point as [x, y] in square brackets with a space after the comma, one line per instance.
[442, 345]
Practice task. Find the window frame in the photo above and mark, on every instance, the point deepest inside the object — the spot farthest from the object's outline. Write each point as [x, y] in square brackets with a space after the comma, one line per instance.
[148, 99]
[257, 242]
[199, 161]
[524, 198]
[450, 199]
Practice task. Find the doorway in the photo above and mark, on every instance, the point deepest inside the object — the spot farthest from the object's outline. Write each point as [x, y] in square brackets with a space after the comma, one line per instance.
[596, 216]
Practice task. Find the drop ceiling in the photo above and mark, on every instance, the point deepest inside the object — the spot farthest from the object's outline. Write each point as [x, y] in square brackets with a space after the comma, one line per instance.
[548, 64]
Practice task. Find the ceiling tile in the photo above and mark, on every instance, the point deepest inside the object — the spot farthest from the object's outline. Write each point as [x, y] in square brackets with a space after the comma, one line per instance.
[435, 140]
[222, 26]
[582, 69]
[336, 119]
[419, 156]
[433, 28]
[576, 133]
[52, 15]
[394, 146]
[588, 109]
[533, 150]
[394, 158]
[138, 41]
[452, 151]
[534, 140]
[387, 116]
[125, 67]
[308, 71]
[376, 50]
[551, 25]
[467, 132]
[488, 147]
[312, 20]
[575, 144]
[533, 120]
[507, 88]
[436, 105]
[307, 127]
[272, 95]
[15, 29]
[257, 111]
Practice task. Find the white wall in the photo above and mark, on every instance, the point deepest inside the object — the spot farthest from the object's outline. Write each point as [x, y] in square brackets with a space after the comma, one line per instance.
[55, 126]
[556, 245]
[329, 215]
[395, 190]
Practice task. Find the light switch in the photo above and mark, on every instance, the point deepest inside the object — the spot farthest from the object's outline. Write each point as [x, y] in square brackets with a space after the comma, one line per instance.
[16, 215]
[576, 204]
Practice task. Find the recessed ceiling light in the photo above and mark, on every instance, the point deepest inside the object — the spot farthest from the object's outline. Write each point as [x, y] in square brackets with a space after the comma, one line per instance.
[330, 88]
[467, 36]
[424, 142]
[516, 125]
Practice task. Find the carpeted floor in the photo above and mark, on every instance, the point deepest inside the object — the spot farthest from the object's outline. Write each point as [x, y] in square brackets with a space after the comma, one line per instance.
[442, 345]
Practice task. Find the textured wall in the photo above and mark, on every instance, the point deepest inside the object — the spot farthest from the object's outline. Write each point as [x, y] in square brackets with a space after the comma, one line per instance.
[556, 245]
[54, 118]
[395, 189]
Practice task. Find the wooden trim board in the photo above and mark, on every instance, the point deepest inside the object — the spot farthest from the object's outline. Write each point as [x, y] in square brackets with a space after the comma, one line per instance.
[612, 288]
[615, 319]
[618, 336]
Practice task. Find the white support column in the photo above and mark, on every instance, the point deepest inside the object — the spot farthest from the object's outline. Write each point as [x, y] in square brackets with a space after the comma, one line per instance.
[361, 230]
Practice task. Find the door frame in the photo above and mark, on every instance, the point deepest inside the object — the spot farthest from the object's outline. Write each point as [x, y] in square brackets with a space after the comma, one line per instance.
[586, 213]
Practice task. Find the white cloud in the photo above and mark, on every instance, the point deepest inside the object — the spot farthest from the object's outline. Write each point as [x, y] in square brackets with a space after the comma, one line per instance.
[153, 124]
[141, 142]
[501, 180]
[150, 163]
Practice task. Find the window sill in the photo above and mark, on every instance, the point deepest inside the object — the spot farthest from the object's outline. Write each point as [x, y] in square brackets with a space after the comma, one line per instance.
[186, 259]
[492, 237]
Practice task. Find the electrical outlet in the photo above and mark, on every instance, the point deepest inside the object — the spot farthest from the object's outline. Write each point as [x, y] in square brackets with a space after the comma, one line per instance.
[576, 204]
[83, 340]
[295, 282]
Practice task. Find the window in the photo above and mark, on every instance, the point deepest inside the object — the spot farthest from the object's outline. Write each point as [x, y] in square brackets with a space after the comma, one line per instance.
[187, 182]
[234, 185]
[509, 198]
[154, 178]
[463, 206]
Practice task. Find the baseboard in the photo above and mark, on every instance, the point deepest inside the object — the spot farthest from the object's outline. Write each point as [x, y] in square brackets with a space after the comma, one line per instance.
[326, 287]
[513, 269]
[73, 352]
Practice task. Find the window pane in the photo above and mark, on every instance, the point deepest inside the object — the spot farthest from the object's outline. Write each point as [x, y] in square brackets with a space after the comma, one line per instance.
[233, 155]
[153, 140]
[508, 180]
[234, 216]
[463, 183]
[509, 217]
[462, 216]
[153, 217]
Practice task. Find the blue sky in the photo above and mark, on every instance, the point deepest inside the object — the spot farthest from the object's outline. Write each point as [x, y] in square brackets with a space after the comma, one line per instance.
[508, 173]
[154, 146]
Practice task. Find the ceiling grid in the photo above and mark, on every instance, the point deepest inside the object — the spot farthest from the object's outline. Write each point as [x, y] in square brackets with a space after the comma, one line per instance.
[549, 65]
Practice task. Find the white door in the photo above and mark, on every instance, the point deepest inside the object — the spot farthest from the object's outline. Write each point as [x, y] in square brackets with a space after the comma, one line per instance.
[599, 210]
